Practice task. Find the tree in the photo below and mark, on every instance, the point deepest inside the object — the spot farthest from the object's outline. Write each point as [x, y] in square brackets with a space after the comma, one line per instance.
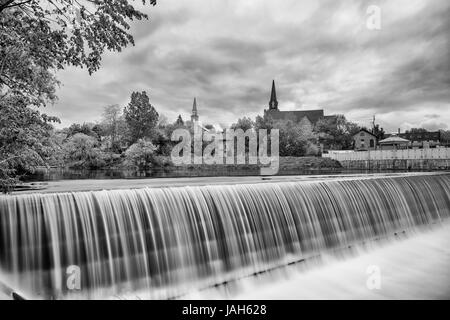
[141, 117]
[82, 150]
[244, 124]
[141, 154]
[264, 122]
[85, 128]
[296, 140]
[445, 137]
[336, 132]
[378, 132]
[98, 130]
[416, 130]
[111, 118]
[38, 39]
[162, 142]
[24, 140]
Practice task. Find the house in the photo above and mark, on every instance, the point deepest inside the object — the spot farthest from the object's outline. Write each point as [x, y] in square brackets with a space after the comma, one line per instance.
[364, 140]
[394, 142]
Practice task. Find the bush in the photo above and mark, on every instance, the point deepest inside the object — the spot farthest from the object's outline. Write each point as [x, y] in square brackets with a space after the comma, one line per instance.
[7, 180]
[141, 154]
[82, 151]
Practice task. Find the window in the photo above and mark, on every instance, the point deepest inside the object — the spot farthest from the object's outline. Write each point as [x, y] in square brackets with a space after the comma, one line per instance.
[372, 143]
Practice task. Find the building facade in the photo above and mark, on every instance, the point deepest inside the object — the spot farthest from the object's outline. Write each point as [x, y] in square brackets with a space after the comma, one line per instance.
[364, 140]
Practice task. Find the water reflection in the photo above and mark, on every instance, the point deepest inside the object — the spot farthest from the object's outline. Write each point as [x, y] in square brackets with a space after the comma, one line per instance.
[55, 174]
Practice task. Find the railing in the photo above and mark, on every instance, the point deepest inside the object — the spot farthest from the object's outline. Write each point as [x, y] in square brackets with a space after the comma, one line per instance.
[403, 154]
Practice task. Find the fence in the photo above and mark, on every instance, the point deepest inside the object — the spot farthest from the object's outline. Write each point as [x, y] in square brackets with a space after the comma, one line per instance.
[404, 154]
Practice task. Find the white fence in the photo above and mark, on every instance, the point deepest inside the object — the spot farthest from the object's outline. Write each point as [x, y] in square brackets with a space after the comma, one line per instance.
[405, 154]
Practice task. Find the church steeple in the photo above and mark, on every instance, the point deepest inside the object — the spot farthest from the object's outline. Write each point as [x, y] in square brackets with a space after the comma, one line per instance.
[273, 103]
[194, 116]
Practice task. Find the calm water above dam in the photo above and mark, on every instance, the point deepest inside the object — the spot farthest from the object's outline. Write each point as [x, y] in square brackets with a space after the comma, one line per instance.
[161, 240]
[57, 174]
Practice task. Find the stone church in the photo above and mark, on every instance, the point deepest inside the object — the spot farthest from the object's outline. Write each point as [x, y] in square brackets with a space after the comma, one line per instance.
[304, 117]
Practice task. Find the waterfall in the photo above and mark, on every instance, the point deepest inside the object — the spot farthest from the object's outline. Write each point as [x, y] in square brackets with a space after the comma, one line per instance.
[156, 238]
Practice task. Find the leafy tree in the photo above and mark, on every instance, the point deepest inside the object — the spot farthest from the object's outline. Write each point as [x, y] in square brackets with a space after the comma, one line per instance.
[244, 124]
[56, 142]
[26, 61]
[98, 130]
[416, 130]
[264, 122]
[82, 150]
[141, 154]
[378, 132]
[295, 139]
[24, 140]
[445, 137]
[38, 38]
[336, 132]
[113, 123]
[162, 142]
[85, 128]
[141, 117]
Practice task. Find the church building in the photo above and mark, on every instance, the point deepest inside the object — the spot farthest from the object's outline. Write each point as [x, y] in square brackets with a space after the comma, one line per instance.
[195, 118]
[194, 115]
[304, 117]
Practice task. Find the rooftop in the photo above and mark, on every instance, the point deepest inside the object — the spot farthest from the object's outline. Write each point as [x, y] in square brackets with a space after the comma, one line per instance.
[394, 140]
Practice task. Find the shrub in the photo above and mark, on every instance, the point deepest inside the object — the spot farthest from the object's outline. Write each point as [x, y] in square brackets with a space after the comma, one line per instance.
[141, 154]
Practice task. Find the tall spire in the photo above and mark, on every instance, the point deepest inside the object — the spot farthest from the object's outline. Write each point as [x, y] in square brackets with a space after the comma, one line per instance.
[273, 103]
[194, 116]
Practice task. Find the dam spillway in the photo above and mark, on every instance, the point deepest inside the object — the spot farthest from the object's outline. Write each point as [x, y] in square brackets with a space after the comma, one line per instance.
[157, 238]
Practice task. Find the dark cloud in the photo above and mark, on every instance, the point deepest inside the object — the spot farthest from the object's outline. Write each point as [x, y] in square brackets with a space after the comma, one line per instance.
[319, 52]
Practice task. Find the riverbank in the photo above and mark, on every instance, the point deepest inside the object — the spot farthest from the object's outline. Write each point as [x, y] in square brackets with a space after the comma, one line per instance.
[287, 166]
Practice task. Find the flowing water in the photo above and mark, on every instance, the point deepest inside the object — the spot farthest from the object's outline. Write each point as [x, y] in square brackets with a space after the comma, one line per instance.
[163, 240]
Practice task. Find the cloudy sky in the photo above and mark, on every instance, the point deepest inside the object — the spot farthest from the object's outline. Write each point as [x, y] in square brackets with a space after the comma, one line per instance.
[320, 53]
